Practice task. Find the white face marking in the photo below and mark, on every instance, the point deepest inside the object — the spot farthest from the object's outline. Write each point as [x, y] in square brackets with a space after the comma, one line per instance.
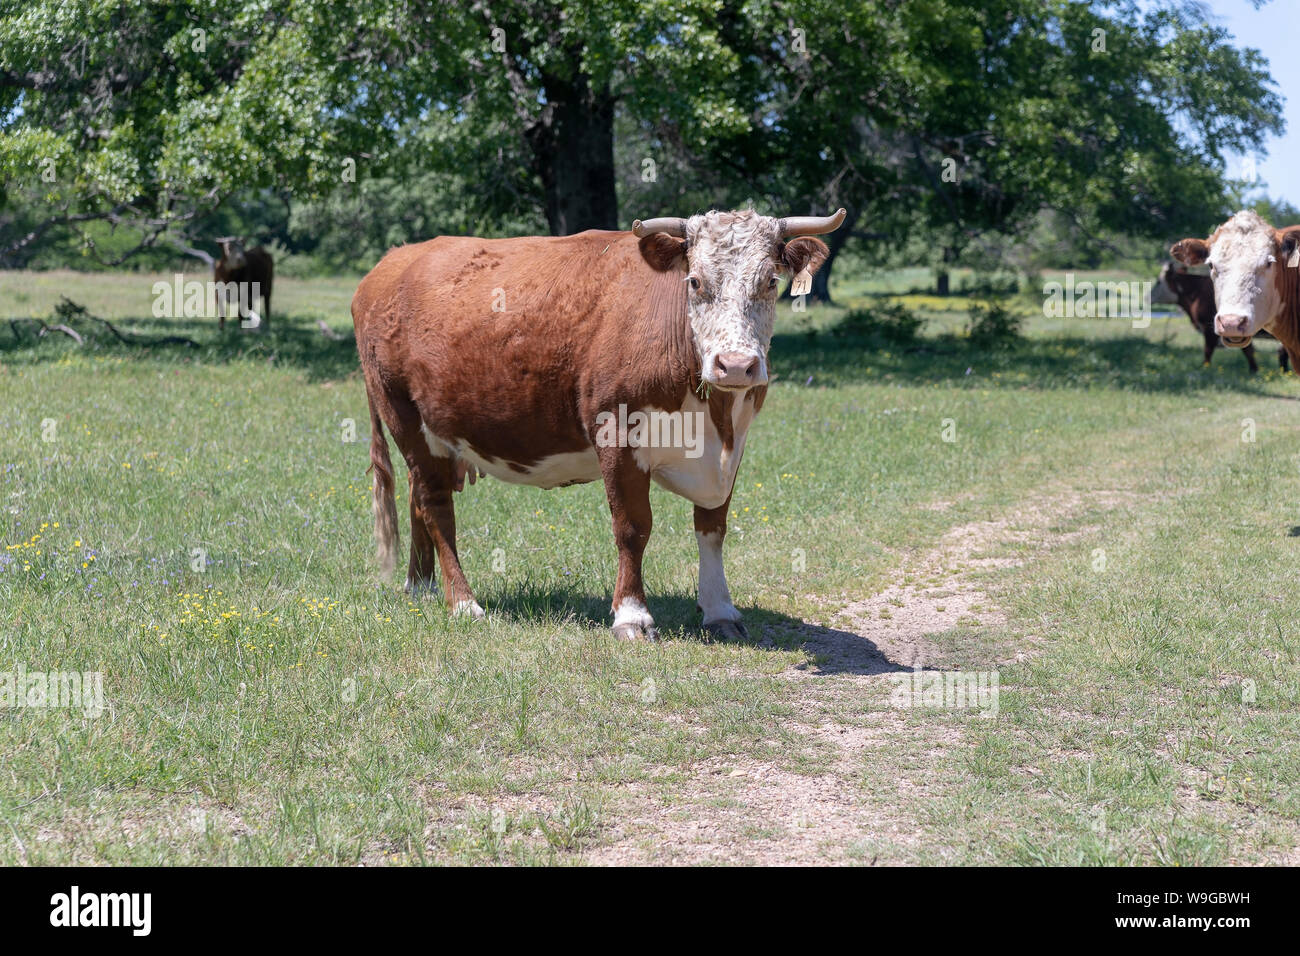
[706, 479]
[233, 253]
[714, 597]
[1162, 293]
[731, 260]
[1241, 265]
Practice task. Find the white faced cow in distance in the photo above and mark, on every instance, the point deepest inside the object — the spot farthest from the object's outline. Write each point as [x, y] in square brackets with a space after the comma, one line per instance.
[551, 361]
[1256, 273]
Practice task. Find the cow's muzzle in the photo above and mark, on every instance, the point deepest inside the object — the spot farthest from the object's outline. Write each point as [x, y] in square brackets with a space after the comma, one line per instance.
[736, 370]
[1233, 330]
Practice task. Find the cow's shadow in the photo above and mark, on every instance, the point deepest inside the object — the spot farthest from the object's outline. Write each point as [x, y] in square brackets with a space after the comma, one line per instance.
[833, 651]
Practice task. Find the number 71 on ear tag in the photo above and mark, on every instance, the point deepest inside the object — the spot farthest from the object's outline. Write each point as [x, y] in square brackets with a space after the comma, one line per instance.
[802, 284]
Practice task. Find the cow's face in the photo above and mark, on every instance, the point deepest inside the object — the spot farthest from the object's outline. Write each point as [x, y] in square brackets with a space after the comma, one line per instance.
[1163, 291]
[232, 252]
[1246, 257]
[732, 263]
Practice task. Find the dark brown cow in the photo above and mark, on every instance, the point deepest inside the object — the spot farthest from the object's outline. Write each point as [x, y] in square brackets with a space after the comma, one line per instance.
[624, 357]
[242, 275]
[1194, 293]
[1256, 274]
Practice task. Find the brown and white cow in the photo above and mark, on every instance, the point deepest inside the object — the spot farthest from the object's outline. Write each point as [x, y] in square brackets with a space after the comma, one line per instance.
[1191, 288]
[1256, 274]
[528, 360]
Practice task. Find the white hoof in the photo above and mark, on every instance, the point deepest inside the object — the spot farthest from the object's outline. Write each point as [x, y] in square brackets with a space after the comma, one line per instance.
[468, 609]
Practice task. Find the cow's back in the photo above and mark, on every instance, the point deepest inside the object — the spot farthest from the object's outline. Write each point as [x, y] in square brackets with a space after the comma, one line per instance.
[510, 338]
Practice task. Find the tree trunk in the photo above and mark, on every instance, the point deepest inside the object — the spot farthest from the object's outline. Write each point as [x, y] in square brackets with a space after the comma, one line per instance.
[573, 152]
[941, 279]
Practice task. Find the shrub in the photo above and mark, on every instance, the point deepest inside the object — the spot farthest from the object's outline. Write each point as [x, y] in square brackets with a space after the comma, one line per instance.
[888, 323]
[993, 326]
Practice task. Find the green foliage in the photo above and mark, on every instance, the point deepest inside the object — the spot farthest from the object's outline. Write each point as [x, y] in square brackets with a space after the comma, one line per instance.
[939, 123]
[883, 323]
[993, 326]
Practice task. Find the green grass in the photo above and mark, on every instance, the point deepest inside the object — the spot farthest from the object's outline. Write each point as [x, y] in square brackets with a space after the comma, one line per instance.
[282, 705]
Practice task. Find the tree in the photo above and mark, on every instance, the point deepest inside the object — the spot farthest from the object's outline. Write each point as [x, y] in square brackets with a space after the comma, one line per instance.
[961, 119]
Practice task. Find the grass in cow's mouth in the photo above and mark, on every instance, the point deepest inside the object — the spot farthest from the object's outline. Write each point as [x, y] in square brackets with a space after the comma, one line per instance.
[281, 706]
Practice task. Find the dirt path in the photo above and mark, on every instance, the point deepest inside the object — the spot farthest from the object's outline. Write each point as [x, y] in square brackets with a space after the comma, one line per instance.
[859, 809]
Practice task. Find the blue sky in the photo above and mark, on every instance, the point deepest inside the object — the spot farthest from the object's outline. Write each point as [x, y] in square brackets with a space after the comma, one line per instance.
[1274, 30]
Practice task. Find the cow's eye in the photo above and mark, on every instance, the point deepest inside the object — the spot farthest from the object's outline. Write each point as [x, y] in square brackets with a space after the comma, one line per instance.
[772, 282]
[695, 283]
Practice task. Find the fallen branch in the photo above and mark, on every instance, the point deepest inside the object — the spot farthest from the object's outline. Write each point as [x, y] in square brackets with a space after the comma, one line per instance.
[71, 310]
[70, 333]
[136, 340]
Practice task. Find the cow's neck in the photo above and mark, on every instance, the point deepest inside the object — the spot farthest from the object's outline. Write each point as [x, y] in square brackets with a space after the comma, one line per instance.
[1286, 325]
[663, 345]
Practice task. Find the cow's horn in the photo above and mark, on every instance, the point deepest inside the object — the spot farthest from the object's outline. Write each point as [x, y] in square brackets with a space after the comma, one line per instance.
[669, 224]
[810, 225]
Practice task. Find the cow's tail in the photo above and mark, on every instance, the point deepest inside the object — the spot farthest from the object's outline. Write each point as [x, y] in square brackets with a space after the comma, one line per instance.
[385, 506]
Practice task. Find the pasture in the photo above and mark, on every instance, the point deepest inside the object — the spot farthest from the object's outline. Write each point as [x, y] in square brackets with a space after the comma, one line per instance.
[1111, 531]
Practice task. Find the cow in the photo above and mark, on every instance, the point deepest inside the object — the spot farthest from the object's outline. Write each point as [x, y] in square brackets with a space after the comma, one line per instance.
[1193, 291]
[539, 361]
[1255, 269]
[241, 274]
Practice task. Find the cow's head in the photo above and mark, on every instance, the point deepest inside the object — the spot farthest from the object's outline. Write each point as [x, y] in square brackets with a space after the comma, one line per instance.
[1163, 291]
[1246, 257]
[232, 251]
[732, 263]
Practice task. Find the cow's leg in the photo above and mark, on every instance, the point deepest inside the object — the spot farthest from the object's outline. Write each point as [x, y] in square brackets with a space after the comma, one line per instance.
[421, 573]
[1250, 359]
[1282, 362]
[628, 490]
[266, 311]
[433, 490]
[721, 619]
[1211, 343]
[432, 478]
[220, 298]
[1294, 356]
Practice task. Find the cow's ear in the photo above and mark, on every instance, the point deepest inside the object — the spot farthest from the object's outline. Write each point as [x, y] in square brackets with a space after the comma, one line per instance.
[1291, 247]
[804, 254]
[662, 251]
[1190, 252]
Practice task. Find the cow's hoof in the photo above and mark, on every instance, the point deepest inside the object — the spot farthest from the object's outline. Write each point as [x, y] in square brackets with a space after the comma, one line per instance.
[469, 609]
[727, 631]
[635, 632]
[417, 587]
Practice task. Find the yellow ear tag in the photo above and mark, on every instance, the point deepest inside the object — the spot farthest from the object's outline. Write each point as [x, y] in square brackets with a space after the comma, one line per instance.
[1294, 261]
[802, 284]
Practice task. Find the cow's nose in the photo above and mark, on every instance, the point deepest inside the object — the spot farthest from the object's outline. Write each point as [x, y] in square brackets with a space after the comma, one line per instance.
[736, 369]
[1233, 326]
